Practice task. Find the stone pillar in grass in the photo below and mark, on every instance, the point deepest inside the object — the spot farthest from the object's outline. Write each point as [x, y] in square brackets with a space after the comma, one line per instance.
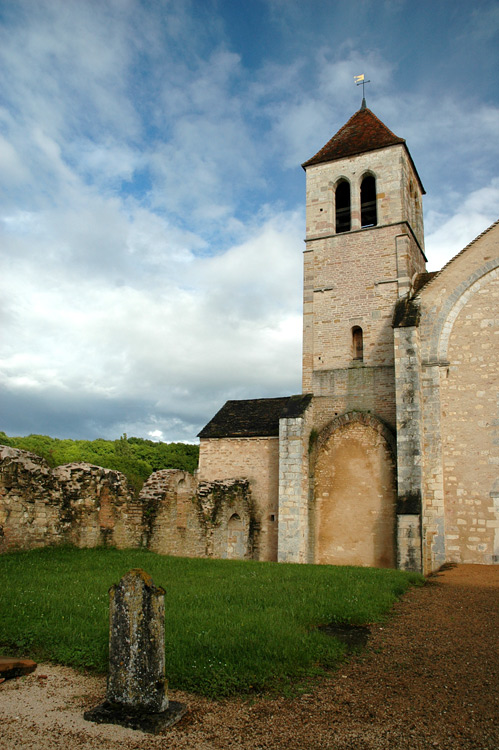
[136, 686]
[137, 643]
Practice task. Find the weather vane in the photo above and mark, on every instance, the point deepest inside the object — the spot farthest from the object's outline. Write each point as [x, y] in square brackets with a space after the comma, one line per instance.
[360, 81]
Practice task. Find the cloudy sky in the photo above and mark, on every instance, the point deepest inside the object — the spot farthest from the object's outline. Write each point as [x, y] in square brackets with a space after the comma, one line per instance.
[152, 199]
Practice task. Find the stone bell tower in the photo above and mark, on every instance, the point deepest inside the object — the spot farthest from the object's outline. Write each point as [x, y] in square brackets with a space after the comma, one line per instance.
[364, 244]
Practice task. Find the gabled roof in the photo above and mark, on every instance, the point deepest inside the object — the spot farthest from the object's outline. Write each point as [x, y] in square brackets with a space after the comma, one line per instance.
[257, 417]
[362, 133]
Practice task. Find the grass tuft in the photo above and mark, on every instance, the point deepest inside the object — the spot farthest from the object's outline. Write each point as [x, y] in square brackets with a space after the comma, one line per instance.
[231, 626]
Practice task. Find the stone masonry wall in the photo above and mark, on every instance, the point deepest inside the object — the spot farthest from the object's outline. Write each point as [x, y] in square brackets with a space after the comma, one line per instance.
[469, 393]
[78, 503]
[171, 525]
[354, 493]
[294, 488]
[358, 387]
[89, 506]
[355, 278]
[355, 283]
[256, 459]
[409, 447]
[459, 333]
[398, 192]
[30, 502]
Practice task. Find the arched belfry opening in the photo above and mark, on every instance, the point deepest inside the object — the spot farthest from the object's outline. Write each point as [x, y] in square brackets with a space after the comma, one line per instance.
[343, 209]
[368, 212]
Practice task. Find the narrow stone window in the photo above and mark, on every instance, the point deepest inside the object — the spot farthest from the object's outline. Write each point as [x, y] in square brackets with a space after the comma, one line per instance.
[357, 343]
[368, 213]
[342, 197]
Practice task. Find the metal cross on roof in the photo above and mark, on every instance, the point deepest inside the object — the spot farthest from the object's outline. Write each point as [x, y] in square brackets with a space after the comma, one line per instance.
[360, 81]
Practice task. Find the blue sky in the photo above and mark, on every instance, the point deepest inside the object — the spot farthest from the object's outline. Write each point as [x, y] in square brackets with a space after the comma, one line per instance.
[152, 199]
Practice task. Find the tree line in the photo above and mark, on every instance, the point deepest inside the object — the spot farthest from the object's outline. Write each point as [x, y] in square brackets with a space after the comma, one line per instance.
[137, 458]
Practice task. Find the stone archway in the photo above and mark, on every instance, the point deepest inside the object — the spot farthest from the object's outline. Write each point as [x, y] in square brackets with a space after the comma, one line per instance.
[355, 493]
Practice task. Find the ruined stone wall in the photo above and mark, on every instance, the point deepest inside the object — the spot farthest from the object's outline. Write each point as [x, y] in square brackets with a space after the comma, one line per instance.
[256, 459]
[74, 504]
[89, 506]
[30, 502]
[171, 525]
[229, 520]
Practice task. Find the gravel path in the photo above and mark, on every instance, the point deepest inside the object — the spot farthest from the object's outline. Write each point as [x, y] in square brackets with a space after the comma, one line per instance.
[428, 679]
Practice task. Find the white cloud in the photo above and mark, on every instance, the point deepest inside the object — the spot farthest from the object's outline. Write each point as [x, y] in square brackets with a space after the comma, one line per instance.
[448, 235]
[152, 220]
[156, 435]
[11, 164]
[216, 324]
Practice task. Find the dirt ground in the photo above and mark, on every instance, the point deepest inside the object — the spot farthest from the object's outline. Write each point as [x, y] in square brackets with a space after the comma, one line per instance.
[427, 679]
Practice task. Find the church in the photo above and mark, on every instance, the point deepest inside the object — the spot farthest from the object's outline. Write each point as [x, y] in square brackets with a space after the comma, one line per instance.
[390, 456]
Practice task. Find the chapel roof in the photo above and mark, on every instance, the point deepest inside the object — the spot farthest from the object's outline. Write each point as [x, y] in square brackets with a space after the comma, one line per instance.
[257, 417]
[362, 133]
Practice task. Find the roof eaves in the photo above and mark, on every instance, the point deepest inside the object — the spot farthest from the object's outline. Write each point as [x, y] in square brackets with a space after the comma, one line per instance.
[325, 160]
[254, 417]
[323, 157]
[359, 127]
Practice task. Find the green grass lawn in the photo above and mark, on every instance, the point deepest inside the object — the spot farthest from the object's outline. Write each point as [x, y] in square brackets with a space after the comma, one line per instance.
[231, 626]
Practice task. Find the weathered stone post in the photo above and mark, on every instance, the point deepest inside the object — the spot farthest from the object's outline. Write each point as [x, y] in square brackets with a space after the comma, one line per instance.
[136, 686]
[136, 643]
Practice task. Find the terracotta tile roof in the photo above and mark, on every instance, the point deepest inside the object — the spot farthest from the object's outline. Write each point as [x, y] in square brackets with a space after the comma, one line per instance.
[257, 417]
[363, 132]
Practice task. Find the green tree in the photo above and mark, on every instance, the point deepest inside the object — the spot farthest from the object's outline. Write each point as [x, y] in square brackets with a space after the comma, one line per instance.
[135, 457]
